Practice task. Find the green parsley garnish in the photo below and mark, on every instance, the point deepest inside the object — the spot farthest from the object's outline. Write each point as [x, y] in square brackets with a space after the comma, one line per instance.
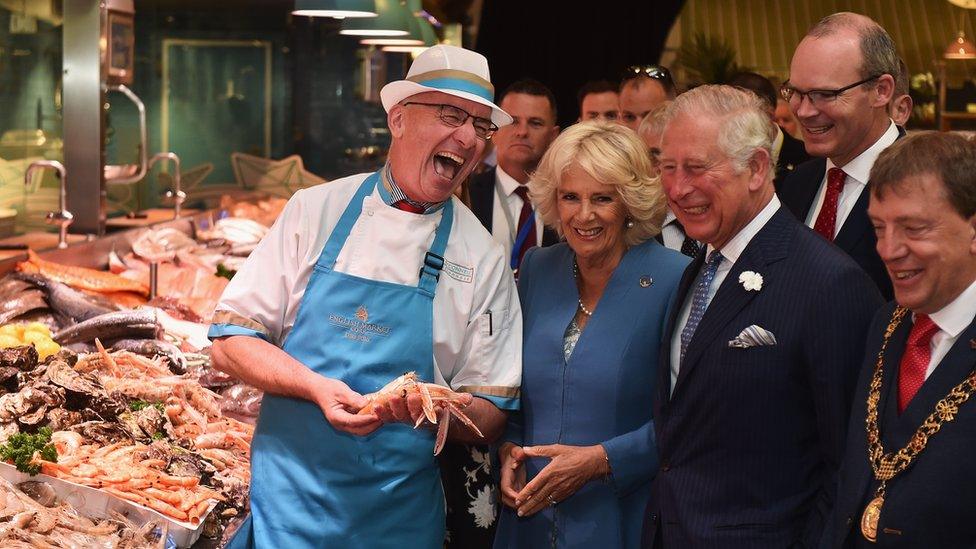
[20, 449]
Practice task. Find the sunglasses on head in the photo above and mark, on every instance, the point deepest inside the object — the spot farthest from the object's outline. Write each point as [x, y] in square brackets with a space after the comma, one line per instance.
[656, 72]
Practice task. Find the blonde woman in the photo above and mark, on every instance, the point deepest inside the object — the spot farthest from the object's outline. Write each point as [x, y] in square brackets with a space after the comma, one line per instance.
[578, 460]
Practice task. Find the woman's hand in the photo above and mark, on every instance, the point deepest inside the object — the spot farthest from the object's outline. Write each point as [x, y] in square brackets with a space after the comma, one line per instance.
[511, 457]
[569, 469]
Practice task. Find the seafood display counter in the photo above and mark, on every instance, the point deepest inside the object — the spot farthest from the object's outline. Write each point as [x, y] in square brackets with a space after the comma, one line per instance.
[106, 389]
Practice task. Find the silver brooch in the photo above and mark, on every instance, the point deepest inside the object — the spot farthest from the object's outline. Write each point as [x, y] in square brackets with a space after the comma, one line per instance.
[646, 281]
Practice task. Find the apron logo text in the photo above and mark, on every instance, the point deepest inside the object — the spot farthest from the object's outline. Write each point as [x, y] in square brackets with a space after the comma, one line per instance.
[358, 329]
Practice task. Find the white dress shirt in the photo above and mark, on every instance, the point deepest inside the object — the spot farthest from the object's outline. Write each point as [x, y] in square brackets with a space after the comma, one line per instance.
[505, 213]
[671, 233]
[857, 171]
[951, 320]
[477, 321]
[730, 254]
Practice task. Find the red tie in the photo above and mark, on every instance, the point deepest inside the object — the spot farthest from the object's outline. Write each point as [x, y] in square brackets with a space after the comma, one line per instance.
[524, 218]
[915, 361]
[827, 220]
[408, 206]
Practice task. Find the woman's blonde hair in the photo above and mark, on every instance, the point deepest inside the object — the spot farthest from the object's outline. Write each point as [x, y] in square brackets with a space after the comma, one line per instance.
[614, 155]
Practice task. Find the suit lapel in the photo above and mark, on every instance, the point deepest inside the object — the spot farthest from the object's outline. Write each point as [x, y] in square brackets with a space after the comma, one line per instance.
[857, 224]
[769, 245]
[483, 198]
[888, 399]
[806, 192]
[954, 367]
[687, 279]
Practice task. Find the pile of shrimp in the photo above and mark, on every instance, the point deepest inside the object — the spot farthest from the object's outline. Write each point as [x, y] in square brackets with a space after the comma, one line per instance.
[25, 522]
[125, 472]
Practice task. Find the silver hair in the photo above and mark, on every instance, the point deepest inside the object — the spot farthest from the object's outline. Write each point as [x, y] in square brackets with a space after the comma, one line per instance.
[745, 125]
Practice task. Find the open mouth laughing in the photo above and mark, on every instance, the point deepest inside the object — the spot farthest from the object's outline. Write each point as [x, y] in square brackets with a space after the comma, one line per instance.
[447, 164]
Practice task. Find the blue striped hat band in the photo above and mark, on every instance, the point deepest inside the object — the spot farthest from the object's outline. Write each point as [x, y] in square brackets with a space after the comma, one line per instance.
[450, 79]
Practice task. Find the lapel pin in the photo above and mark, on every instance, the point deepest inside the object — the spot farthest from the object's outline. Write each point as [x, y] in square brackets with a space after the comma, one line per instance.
[646, 281]
[972, 344]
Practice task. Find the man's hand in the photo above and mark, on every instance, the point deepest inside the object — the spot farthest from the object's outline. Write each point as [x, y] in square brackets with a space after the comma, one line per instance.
[407, 408]
[340, 405]
[571, 467]
[511, 457]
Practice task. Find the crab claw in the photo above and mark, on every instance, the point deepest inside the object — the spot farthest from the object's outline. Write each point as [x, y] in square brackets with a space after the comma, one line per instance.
[464, 419]
[428, 403]
[442, 430]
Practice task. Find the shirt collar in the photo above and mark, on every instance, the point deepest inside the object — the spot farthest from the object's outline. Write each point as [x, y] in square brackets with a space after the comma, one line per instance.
[507, 182]
[391, 193]
[859, 169]
[959, 313]
[737, 244]
[669, 217]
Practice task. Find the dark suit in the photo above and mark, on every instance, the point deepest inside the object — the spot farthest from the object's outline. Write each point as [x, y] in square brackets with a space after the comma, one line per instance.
[856, 237]
[750, 439]
[482, 192]
[931, 503]
[791, 155]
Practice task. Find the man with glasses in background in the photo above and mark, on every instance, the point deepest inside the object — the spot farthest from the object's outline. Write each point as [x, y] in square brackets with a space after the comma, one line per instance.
[598, 100]
[643, 87]
[842, 78]
[359, 281]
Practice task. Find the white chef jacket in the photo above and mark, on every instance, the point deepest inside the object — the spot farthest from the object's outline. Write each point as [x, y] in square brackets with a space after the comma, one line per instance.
[477, 329]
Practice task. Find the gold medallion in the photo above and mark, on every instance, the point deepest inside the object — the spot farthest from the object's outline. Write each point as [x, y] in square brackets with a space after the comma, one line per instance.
[869, 520]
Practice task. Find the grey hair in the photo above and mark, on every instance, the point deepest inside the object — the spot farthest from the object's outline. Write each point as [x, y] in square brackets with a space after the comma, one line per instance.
[877, 48]
[653, 122]
[613, 155]
[745, 125]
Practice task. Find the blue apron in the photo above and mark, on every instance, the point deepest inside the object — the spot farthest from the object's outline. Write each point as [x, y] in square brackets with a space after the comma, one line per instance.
[315, 486]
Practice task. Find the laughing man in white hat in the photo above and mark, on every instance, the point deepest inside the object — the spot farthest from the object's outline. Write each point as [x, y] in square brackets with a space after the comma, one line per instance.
[361, 280]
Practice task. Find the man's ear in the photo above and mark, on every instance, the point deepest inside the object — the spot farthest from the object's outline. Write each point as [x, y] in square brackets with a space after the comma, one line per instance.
[395, 121]
[759, 165]
[884, 89]
[972, 235]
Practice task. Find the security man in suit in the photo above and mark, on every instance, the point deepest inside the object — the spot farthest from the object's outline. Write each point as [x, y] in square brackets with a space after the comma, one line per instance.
[913, 398]
[841, 82]
[762, 347]
[499, 197]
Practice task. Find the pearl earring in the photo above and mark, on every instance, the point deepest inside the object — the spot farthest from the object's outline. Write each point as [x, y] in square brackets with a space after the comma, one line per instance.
[630, 223]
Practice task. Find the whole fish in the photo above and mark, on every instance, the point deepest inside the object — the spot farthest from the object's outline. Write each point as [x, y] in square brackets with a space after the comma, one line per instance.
[66, 301]
[24, 302]
[153, 348]
[137, 323]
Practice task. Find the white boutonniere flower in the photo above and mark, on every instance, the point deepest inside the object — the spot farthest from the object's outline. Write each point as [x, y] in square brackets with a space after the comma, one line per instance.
[751, 281]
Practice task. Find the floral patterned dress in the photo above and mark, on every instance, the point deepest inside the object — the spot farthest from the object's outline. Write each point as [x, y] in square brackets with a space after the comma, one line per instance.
[471, 494]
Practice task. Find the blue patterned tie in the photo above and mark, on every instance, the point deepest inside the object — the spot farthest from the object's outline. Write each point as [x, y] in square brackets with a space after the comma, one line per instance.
[699, 301]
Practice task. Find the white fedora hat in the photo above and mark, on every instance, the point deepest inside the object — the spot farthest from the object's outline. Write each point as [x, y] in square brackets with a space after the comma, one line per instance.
[451, 70]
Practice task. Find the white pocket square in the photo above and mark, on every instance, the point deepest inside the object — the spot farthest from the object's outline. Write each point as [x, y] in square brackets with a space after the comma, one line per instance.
[753, 336]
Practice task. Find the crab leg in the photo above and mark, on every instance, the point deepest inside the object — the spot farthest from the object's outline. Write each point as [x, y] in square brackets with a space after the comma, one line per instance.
[464, 419]
[442, 430]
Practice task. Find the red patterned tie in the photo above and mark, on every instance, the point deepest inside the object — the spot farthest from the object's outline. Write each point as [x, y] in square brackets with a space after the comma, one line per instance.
[524, 217]
[827, 220]
[915, 361]
[408, 206]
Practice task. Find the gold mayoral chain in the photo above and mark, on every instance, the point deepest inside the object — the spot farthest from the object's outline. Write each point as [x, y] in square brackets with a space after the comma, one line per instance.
[887, 466]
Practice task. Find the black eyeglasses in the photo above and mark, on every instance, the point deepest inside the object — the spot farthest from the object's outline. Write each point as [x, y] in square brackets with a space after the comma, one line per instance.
[820, 97]
[656, 72]
[456, 117]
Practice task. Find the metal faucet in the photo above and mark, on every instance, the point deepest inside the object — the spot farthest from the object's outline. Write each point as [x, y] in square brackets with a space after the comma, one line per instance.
[175, 193]
[62, 218]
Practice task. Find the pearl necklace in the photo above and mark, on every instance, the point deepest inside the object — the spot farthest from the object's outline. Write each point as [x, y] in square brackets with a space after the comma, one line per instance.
[582, 307]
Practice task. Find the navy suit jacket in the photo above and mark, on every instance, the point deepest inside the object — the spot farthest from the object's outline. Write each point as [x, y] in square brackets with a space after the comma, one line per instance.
[481, 190]
[931, 503]
[750, 439]
[856, 237]
[792, 154]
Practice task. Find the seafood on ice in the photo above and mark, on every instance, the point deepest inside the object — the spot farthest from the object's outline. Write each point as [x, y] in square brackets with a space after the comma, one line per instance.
[81, 277]
[439, 404]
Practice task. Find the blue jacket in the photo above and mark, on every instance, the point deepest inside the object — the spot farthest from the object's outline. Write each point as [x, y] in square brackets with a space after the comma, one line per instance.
[603, 395]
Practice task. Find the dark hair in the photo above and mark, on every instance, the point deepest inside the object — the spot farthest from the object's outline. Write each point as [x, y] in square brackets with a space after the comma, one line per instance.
[757, 84]
[593, 86]
[638, 75]
[902, 84]
[530, 86]
[947, 156]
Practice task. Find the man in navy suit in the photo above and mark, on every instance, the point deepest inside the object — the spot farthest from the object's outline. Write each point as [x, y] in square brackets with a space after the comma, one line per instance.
[920, 350]
[841, 82]
[499, 196]
[762, 346]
